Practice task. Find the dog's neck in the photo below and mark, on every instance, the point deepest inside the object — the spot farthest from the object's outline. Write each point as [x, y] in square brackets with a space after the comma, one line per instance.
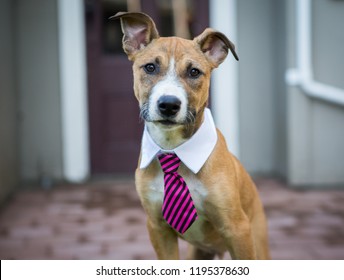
[168, 138]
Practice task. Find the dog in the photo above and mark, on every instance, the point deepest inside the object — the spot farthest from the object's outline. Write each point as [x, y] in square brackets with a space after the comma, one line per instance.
[171, 84]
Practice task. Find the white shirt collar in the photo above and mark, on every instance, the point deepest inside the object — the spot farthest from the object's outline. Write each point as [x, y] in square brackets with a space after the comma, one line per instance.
[193, 153]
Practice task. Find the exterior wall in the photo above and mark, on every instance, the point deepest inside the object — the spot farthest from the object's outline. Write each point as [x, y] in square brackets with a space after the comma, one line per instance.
[8, 103]
[279, 131]
[328, 39]
[316, 128]
[256, 49]
[37, 64]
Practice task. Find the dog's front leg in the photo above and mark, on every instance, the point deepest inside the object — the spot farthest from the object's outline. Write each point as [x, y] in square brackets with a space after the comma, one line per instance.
[235, 229]
[239, 240]
[164, 240]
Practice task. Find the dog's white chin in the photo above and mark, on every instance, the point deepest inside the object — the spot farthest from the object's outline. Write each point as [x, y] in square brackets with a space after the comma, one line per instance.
[167, 137]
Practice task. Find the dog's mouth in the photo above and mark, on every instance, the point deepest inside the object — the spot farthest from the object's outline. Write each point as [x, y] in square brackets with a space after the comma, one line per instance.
[167, 122]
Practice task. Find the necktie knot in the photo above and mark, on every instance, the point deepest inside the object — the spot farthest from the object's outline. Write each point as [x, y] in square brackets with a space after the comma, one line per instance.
[169, 162]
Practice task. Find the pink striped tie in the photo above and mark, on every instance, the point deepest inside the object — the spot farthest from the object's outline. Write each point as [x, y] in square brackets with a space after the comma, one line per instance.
[178, 208]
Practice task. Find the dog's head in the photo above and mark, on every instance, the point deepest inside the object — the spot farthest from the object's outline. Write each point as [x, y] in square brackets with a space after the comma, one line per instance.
[171, 75]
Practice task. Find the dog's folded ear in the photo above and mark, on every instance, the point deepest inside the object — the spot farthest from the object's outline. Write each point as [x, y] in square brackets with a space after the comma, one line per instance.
[215, 46]
[138, 29]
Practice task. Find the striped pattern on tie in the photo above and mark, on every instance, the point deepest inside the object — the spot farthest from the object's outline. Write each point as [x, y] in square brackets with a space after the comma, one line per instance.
[178, 208]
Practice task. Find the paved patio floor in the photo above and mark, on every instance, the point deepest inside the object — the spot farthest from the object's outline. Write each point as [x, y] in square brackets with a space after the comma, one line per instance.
[104, 220]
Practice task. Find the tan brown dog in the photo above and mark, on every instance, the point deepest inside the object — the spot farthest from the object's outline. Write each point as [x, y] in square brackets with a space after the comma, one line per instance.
[171, 83]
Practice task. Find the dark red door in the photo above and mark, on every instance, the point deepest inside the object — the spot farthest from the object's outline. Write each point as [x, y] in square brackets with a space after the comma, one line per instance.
[115, 127]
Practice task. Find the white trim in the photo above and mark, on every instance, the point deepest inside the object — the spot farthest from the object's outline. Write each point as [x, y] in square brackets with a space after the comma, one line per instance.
[73, 90]
[302, 76]
[225, 94]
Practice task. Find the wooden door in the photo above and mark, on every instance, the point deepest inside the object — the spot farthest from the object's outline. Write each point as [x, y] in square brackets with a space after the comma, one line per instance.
[115, 127]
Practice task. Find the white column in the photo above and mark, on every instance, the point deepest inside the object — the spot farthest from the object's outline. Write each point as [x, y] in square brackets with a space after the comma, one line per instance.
[225, 79]
[72, 51]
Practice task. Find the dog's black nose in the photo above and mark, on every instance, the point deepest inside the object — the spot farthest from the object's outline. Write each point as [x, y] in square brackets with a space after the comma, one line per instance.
[169, 105]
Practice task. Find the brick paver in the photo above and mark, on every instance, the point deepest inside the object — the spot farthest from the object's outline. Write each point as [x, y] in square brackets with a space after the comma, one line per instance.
[104, 220]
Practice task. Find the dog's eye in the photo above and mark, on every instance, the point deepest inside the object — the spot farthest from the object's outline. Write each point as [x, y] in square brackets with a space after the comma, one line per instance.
[149, 68]
[194, 73]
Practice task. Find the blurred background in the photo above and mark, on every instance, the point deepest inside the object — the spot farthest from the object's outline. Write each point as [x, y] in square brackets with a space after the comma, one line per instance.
[70, 131]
